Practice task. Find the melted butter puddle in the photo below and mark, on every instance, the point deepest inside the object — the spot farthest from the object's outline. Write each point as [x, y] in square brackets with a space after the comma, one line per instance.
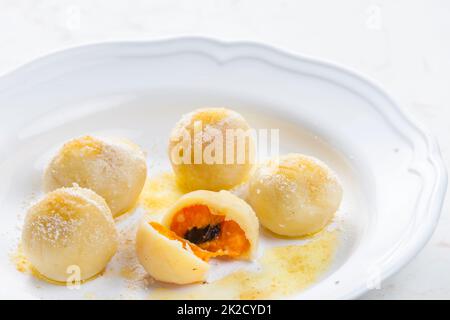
[285, 270]
[159, 193]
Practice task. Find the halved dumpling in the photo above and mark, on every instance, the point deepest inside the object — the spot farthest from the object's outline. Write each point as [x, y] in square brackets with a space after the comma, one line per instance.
[169, 258]
[218, 222]
[200, 225]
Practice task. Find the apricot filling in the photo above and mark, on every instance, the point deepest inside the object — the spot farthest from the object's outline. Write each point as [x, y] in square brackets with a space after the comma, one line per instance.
[199, 252]
[210, 232]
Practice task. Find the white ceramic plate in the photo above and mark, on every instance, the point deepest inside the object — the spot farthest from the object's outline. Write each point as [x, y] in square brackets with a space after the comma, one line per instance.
[394, 179]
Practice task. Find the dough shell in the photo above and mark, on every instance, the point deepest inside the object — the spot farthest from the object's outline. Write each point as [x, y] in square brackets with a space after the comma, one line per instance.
[114, 168]
[69, 228]
[211, 173]
[295, 195]
[168, 260]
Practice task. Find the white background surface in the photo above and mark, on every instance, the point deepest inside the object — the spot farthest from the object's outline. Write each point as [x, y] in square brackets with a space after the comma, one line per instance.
[404, 45]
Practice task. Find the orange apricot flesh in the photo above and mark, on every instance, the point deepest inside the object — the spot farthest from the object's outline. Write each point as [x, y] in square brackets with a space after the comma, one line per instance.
[223, 237]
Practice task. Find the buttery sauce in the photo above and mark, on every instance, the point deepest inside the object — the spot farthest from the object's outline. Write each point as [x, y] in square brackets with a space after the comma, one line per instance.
[159, 193]
[284, 270]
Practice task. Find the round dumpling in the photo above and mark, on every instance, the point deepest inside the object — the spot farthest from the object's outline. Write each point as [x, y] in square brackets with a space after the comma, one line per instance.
[294, 195]
[169, 258]
[69, 228]
[218, 222]
[211, 149]
[113, 168]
